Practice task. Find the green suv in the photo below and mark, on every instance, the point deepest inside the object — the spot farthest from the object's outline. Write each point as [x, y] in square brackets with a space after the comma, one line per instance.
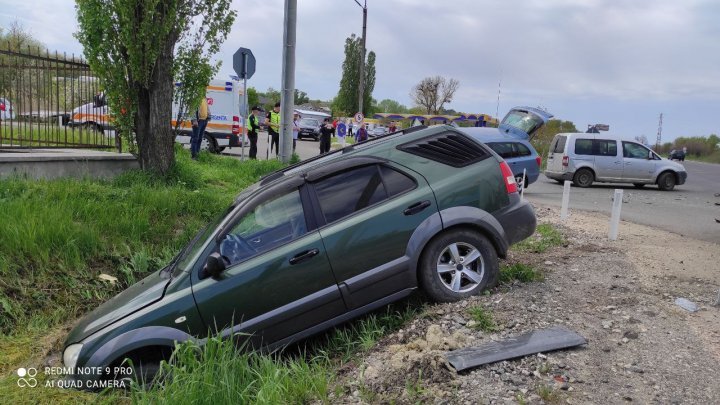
[320, 243]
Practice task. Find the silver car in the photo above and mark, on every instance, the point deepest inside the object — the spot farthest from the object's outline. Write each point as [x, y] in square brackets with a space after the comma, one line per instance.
[586, 158]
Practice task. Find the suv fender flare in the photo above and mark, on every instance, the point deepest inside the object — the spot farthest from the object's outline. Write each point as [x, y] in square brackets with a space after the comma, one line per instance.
[470, 217]
[136, 339]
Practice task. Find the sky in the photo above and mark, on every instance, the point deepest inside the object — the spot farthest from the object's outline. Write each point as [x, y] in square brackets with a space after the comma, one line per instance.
[616, 62]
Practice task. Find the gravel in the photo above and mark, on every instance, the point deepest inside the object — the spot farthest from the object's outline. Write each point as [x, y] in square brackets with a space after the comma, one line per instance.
[618, 295]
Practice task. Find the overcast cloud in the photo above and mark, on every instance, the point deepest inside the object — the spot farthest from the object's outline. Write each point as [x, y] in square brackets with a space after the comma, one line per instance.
[620, 62]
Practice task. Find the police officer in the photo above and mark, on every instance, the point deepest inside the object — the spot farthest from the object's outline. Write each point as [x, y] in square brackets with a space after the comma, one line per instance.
[253, 127]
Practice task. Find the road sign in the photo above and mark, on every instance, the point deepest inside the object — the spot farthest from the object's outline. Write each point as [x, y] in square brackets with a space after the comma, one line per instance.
[341, 130]
[359, 117]
[244, 63]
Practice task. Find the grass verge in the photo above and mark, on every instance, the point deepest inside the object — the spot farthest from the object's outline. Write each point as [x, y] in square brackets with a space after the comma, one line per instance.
[521, 272]
[545, 237]
[483, 319]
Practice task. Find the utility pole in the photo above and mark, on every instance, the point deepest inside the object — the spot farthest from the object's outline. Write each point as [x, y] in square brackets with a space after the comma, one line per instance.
[361, 85]
[659, 135]
[287, 96]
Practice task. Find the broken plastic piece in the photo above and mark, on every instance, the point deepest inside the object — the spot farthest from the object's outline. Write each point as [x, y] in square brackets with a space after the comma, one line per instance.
[539, 341]
[686, 304]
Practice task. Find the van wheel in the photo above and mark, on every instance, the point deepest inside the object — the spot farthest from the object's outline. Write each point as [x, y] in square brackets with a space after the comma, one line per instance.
[583, 178]
[458, 264]
[208, 144]
[639, 185]
[666, 181]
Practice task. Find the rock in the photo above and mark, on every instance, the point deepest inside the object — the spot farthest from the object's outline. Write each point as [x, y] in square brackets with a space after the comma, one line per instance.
[471, 324]
[686, 304]
[108, 278]
[631, 334]
[607, 324]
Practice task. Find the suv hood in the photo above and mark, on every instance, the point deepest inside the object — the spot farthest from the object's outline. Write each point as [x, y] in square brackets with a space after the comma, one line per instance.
[144, 293]
[524, 122]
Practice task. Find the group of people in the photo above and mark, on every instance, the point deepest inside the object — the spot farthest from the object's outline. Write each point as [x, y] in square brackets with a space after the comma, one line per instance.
[272, 121]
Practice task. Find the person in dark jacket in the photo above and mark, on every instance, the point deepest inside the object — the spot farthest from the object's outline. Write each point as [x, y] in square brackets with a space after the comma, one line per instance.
[362, 134]
[253, 128]
[326, 132]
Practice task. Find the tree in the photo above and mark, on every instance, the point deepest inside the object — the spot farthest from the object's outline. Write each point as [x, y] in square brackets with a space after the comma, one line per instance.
[391, 106]
[301, 97]
[271, 96]
[139, 48]
[434, 92]
[253, 97]
[346, 101]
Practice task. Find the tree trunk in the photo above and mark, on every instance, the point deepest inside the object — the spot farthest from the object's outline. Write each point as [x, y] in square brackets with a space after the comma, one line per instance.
[153, 120]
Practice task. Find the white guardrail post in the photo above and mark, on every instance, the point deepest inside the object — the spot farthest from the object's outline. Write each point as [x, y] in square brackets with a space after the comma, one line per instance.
[522, 190]
[615, 216]
[565, 201]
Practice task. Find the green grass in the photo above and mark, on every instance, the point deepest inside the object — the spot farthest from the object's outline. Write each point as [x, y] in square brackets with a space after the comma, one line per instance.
[483, 319]
[548, 394]
[711, 158]
[58, 236]
[50, 135]
[545, 237]
[520, 272]
[220, 373]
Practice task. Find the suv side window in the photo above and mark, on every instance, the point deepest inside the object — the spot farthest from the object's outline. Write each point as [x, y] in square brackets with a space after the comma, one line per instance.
[634, 151]
[270, 224]
[345, 193]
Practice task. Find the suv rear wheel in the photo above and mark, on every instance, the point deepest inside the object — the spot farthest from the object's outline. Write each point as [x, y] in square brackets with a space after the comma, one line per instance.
[457, 265]
[583, 178]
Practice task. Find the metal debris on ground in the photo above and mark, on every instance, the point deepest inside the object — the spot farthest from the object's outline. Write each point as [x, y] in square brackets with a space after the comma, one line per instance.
[539, 341]
[687, 305]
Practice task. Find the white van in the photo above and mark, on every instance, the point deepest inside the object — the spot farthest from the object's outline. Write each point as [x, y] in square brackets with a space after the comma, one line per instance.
[225, 102]
[585, 158]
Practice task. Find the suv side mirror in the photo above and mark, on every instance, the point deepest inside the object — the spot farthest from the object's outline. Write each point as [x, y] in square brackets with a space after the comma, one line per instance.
[215, 265]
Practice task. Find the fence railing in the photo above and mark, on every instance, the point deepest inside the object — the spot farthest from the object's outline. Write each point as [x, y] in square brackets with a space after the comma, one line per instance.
[47, 101]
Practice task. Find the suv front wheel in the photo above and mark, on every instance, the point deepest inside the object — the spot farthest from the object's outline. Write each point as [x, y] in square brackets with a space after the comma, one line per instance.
[457, 265]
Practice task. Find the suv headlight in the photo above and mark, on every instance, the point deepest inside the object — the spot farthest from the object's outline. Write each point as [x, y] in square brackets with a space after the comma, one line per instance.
[70, 355]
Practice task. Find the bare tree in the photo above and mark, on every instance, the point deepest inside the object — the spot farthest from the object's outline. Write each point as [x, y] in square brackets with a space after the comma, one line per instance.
[432, 93]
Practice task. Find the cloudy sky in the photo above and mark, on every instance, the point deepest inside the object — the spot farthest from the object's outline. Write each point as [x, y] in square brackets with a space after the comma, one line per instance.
[619, 62]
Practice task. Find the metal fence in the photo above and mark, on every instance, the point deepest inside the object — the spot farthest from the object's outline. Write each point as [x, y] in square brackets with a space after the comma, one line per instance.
[46, 101]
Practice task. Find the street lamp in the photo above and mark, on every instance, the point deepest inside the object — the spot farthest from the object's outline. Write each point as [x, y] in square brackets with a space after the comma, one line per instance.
[361, 85]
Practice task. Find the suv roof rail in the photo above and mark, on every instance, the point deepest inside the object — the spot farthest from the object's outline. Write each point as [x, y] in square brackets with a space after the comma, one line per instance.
[280, 173]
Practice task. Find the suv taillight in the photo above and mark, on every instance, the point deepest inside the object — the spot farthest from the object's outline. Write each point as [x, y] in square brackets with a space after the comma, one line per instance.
[566, 161]
[236, 125]
[510, 183]
[538, 159]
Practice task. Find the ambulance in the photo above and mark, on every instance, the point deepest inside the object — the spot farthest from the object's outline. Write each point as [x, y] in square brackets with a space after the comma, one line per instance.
[224, 130]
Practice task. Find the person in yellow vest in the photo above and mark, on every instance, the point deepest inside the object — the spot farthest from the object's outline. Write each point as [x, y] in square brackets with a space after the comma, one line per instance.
[202, 115]
[273, 123]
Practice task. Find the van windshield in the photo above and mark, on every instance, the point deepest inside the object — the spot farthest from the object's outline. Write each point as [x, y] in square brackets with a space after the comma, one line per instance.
[309, 122]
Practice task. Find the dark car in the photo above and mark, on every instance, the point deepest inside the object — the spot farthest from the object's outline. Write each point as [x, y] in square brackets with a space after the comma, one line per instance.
[317, 244]
[309, 128]
[677, 154]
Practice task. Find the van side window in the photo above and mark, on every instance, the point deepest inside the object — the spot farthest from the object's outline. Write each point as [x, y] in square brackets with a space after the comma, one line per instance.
[604, 147]
[583, 146]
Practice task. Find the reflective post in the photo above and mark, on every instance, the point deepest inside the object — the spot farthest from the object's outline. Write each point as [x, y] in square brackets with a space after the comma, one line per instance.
[565, 201]
[615, 216]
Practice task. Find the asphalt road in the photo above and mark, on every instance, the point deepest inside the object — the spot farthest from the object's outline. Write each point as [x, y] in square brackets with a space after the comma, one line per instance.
[691, 209]
[305, 148]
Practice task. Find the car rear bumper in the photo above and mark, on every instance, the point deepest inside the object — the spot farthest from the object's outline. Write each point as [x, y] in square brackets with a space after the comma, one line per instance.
[518, 220]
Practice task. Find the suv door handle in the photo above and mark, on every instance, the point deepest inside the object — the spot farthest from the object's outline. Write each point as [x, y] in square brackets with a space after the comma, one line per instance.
[301, 257]
[417, 207]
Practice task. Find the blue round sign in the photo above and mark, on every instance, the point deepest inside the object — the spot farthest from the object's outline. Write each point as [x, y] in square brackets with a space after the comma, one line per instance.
[341, 130]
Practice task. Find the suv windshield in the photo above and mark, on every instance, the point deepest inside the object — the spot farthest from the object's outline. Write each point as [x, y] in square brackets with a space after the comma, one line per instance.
[183, 260]
[309, 122]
